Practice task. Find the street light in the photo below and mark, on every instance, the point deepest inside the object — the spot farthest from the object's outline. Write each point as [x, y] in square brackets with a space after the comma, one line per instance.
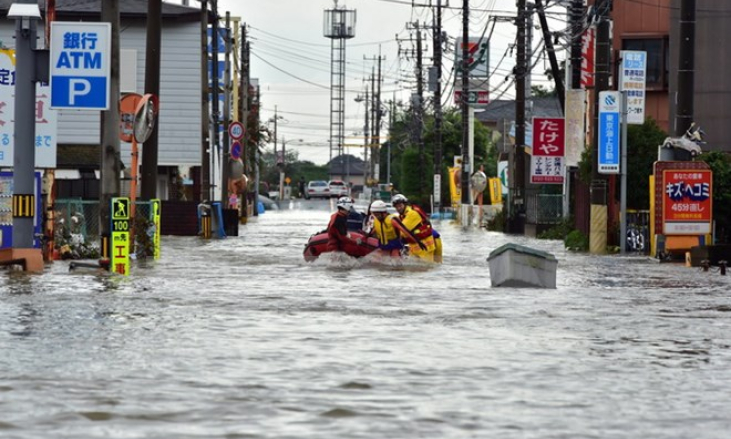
[281, 165]
[28, 58]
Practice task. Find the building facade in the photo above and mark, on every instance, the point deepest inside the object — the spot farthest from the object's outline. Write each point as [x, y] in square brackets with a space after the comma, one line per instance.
[653, 26]
[179, 123]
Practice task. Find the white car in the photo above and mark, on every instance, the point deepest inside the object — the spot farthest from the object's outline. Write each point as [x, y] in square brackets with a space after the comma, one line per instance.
[317, 189]
[338, 188]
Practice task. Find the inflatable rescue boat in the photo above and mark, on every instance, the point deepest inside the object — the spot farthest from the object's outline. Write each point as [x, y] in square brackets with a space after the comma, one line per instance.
[317, 245]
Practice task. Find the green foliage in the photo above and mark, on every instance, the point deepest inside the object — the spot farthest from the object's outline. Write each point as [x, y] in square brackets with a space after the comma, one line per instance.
[720, 164]
[410, 183]
[576, 241]
[643, 141]
[294, 169]
[404, 143]
[559, 231]
[144, 244]
[497, 223]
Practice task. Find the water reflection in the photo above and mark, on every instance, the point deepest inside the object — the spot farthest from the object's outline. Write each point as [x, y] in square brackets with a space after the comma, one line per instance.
[243, 338]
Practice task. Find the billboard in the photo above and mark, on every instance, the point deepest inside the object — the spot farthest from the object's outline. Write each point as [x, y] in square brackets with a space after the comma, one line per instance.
[632, 80]
[479, 57]
[547, 160]
[687, 201]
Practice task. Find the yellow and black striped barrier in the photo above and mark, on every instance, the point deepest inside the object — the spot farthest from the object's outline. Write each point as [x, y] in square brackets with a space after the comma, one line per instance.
[24, 206]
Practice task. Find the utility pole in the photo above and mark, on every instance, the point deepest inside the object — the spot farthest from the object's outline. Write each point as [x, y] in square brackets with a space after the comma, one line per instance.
[215, 117]
[225, 160]
[420, 117]
[374, 140]
[517, 191]
[599, 214]
[245, 108]
[205, 126]
[375, 116]
[575, 15]
[437, 31]
[555, 71]
[686, 68]
[465, 177]
[366, 135]
[152, 86]
[377, 143]
[110, 164]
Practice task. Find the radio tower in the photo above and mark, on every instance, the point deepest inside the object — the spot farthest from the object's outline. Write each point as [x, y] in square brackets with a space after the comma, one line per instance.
[339, 25]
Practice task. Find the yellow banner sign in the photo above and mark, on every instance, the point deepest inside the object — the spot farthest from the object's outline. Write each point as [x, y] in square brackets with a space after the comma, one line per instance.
[120, 235]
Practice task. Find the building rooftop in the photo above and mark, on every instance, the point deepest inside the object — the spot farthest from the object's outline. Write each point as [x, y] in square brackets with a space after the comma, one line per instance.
[499, 110]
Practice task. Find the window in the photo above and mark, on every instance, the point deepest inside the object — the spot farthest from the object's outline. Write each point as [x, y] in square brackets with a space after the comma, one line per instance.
[657, 49]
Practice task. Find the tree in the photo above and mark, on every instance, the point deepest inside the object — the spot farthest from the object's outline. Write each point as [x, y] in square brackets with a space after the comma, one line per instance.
[643, 141]
[406, 171]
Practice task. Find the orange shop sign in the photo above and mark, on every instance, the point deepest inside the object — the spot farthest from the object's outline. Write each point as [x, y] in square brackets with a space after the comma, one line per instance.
[687, 201]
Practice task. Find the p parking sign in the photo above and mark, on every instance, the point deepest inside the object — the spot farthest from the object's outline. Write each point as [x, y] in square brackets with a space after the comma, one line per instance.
[80, 65]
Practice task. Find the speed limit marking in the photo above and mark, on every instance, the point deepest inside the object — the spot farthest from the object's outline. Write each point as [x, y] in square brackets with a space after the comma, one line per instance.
[236, 130]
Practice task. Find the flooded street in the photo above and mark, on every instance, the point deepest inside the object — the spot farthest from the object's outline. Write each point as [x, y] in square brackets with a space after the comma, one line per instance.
[241, 338]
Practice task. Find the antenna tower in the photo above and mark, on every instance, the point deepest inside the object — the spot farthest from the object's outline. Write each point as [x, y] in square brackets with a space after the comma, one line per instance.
[339, 25]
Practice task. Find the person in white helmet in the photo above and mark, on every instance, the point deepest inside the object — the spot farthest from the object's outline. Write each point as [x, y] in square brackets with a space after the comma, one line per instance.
[416, 230]
[337, 229]
[388, 237]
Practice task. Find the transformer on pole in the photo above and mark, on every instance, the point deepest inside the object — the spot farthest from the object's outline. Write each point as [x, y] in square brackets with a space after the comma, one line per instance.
[339, 26]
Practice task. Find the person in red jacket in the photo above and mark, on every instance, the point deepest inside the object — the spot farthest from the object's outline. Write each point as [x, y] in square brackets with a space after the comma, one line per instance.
[337, 230]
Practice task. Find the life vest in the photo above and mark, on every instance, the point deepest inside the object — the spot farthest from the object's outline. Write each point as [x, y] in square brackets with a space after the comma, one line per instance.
[416, 223]
[384, 230]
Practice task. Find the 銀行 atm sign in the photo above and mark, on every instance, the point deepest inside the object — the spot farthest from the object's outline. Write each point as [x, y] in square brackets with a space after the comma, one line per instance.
[80, 65]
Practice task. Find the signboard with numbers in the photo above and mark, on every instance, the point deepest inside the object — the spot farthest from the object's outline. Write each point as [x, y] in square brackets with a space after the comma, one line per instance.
[46, 119]
[609, 124]
[632, 79]
[80, 65]
[547, 160]
[687, 201]
[120, 235]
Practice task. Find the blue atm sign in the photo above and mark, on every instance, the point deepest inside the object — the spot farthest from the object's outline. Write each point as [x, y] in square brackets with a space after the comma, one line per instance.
[80, 65]
[609, 132]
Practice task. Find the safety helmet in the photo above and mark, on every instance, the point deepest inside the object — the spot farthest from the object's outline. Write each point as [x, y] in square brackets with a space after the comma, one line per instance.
[345, 203]
[378, 206]
[399, 198]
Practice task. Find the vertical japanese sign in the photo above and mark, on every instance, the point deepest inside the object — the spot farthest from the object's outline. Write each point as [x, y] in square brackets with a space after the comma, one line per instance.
[547, 160]
[120, 235]
[46, 118]
[587, 57]
[687, 201]
[609, 124]
[155, 204]
[632, 80]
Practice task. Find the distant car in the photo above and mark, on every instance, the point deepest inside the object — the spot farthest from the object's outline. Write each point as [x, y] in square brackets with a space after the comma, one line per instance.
[338, 188]
[317, 189]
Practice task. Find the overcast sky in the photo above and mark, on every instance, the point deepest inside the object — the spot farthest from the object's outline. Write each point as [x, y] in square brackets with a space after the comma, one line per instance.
[291, 59]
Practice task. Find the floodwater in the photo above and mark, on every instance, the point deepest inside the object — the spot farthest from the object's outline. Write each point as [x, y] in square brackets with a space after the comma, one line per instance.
[240, 338]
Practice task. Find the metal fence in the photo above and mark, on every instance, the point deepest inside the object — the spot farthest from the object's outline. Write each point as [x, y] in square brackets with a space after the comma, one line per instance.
[76, 224]
[544, 209]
